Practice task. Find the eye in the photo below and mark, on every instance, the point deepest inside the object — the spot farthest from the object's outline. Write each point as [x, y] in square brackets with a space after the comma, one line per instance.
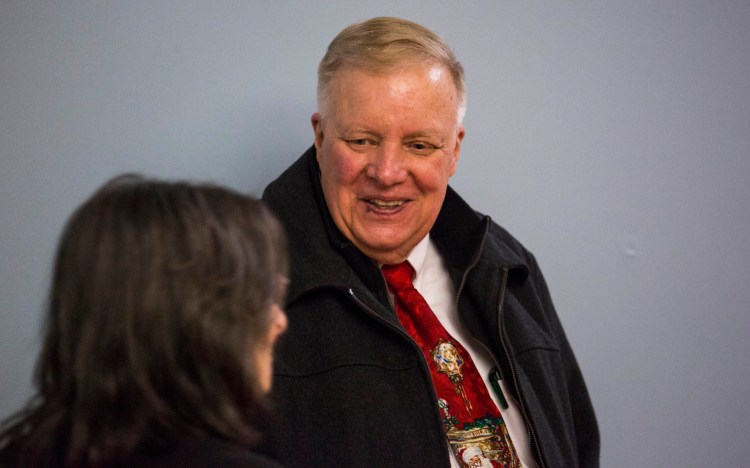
[420, 147]
[361, 144]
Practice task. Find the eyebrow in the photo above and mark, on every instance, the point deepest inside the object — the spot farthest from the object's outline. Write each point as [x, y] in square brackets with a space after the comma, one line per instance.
[424, 133]
[356, 130]
[349, 130]
[429, 133]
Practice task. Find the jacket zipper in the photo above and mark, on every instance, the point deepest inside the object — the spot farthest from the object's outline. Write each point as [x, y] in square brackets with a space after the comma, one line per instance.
[529, 429]
[423, 364]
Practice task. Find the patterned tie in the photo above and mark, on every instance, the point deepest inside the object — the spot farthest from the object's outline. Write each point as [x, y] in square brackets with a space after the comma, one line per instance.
[473, 424]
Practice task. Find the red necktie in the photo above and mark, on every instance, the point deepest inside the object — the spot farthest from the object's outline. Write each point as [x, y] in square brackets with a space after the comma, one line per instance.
[473, 424]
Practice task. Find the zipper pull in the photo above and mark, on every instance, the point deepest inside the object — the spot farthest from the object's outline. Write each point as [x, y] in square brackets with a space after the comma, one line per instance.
[495, 379]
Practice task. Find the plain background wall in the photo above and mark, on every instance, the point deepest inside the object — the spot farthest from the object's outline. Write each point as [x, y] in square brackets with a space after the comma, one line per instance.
[613, 138]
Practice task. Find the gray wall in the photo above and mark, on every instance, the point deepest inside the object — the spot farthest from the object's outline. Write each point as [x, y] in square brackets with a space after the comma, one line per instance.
[613, 138]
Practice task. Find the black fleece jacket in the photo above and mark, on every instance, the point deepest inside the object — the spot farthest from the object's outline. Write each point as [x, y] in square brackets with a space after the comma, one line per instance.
[353, 389]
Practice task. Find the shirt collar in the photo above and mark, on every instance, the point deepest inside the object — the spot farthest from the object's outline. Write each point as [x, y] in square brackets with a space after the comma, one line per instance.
[418, 254]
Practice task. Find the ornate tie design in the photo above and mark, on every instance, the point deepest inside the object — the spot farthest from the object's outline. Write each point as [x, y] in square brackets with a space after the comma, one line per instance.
[473, 424]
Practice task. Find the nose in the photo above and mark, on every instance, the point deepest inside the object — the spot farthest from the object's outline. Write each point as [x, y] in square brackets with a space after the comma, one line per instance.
[388, 164]
[279, 321]
[282, 321]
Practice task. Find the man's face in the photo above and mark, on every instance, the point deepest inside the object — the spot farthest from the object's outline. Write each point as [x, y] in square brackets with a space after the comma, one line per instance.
[387, 145]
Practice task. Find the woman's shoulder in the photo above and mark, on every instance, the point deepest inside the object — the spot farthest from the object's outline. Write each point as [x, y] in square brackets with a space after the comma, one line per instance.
[198, 452]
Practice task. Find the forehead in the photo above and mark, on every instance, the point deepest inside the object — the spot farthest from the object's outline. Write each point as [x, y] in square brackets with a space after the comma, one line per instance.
[427, 89]
[432, 73]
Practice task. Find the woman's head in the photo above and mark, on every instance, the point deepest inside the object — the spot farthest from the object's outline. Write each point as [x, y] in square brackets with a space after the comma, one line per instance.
[164, 307]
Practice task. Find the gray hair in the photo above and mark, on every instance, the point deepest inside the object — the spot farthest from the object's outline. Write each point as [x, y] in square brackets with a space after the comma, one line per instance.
[385, 44]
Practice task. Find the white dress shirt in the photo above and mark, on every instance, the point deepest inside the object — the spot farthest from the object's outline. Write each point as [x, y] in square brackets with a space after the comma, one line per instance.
[434, 283]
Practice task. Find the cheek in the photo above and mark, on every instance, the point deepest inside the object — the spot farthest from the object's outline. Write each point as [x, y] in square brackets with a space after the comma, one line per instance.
[340, 171]
[449, 163]
[451, 167]
[434, 178]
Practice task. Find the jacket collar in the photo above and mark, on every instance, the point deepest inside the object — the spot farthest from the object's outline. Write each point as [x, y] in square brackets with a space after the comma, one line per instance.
[459, 234]
[321, 256]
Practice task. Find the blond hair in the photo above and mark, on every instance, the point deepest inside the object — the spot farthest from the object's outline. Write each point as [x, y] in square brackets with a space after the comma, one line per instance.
[386, 44]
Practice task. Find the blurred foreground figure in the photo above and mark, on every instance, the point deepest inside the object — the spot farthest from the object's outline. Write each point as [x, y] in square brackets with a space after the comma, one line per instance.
[164, 308]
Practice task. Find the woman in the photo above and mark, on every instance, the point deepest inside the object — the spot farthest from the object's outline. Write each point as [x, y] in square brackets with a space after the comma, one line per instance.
[164, 309]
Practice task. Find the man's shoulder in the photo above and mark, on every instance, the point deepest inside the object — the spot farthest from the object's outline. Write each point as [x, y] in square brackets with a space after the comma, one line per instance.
[461, 229]
[499, 234]
[291, 181]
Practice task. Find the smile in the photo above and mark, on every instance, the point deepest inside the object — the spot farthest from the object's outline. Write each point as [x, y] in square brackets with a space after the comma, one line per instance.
[386, 204]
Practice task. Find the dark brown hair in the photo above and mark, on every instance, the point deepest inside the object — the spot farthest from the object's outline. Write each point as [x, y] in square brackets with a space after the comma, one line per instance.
[159, 292]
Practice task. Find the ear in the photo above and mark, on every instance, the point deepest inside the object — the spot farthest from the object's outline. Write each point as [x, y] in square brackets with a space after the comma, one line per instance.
[457, 149]
[317, 123]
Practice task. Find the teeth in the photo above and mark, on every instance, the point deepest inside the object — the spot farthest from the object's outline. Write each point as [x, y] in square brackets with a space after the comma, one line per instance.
[387, 204]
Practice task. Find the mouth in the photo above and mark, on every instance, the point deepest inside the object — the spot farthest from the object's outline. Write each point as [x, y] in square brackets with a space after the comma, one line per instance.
[385, 204]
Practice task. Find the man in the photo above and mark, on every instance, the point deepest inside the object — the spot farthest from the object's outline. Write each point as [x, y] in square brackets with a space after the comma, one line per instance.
[357, 384]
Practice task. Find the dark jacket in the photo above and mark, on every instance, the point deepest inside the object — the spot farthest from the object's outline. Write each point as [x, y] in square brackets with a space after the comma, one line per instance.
[353, 388]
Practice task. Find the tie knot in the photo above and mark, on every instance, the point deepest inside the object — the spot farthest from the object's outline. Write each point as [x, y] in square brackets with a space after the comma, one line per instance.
[398, 277]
